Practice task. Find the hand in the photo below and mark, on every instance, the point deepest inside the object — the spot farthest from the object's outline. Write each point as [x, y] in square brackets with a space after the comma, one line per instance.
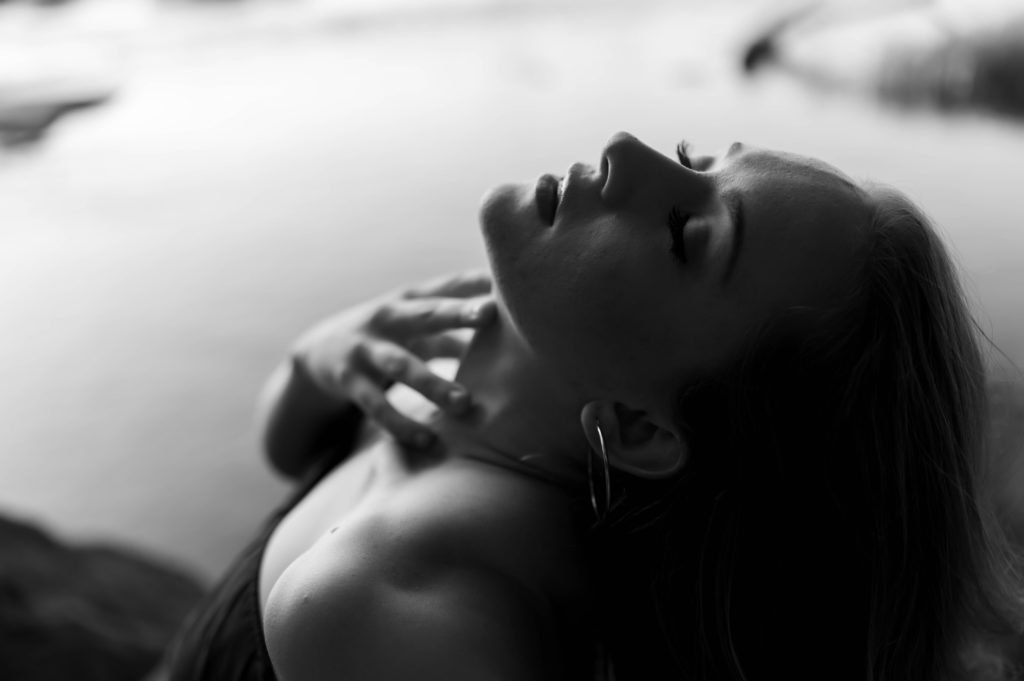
[356, 355]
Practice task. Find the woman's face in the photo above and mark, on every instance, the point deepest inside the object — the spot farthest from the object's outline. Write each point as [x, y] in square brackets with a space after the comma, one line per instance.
[651, 269]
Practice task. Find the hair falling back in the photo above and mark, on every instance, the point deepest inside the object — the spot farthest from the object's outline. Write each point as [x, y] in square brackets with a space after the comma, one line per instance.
[830, 524]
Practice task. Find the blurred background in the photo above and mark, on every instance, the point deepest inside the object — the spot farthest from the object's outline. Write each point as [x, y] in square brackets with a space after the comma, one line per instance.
[186, 186]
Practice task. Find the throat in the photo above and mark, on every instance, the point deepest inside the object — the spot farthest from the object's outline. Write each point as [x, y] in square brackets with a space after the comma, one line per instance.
[521, 408]
[557, 471]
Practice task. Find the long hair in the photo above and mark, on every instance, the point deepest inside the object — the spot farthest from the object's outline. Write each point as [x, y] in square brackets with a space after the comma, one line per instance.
[830, 523]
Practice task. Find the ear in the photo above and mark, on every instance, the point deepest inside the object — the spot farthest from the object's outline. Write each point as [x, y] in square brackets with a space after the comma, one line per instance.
[636, 442]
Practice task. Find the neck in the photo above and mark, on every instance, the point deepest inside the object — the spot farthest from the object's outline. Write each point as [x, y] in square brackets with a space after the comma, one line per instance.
[523, 417]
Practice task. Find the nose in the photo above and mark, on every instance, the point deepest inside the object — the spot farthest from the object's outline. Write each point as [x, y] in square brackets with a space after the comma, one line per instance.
[638, 178]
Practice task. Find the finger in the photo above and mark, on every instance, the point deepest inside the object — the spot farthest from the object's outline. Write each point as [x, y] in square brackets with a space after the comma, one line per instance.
[369, 397]
[425, 316]
[397, 364]
[447, 344]
[474, 282]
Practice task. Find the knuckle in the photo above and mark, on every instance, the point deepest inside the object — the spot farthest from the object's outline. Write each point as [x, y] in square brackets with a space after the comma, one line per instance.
[343, 376]
[358, 347]
[384, 315]
[421, 314]
[361, 351]
[394, 365]
[375, 408]
[417, 346]
[437, 314]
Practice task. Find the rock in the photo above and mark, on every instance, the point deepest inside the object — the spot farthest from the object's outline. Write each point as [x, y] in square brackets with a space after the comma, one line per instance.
[22, 125]
[84, 613]
[944, 56]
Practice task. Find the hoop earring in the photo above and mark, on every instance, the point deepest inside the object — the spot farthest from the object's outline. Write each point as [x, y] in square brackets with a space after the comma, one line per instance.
[598, 510]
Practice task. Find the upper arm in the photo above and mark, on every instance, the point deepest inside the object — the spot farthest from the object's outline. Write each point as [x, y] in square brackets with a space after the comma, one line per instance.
[297, 422]
[334, 617]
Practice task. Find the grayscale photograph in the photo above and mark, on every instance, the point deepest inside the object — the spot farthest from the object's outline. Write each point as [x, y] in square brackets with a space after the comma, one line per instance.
[511, 340]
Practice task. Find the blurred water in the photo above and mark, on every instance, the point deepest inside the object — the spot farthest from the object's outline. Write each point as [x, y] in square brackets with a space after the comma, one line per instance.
[157, 255]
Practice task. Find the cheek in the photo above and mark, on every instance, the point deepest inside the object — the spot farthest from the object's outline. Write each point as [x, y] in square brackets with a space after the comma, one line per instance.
[592, 314]
[595, 300]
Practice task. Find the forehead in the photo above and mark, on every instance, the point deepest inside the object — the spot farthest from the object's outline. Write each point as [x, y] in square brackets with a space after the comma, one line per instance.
[788, 173]
[777, 185]
[806, 222]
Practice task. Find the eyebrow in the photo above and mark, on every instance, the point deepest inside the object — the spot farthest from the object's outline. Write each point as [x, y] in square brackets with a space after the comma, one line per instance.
[734, 205]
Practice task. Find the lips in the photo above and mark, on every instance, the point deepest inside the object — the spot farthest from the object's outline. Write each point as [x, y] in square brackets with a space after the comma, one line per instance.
[547, 196]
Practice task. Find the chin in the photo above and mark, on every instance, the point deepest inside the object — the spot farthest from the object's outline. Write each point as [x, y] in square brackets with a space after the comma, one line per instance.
[509, 224]
[505, 208]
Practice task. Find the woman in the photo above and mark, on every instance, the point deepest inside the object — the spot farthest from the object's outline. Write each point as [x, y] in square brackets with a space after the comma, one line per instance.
[719, 418]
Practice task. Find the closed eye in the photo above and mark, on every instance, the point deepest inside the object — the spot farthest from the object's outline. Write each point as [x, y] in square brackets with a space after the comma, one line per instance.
[676, 223]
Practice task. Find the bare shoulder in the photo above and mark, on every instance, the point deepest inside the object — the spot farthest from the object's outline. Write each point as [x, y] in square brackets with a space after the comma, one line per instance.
[394, 598]
[474, 511]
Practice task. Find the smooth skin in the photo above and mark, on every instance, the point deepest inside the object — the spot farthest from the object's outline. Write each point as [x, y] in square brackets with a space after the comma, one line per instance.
[352, 358]
[398, 559]
[463, 562]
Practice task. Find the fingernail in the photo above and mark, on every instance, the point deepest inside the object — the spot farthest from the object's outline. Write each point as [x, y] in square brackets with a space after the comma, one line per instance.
[458, 400]
[478, 312]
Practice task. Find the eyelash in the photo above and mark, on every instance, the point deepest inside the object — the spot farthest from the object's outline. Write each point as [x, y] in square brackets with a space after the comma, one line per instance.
[676, 223]
[683, 154]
